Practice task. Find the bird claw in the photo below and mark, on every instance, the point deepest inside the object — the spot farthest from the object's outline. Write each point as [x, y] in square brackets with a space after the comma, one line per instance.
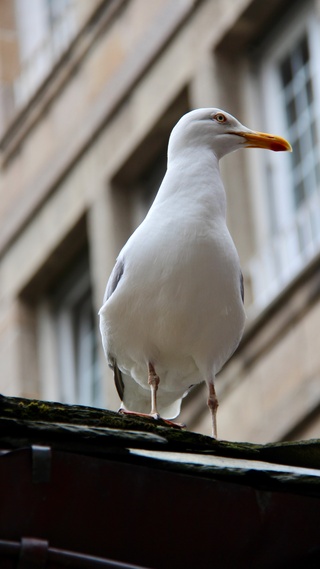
[154, 416]
[174, 425]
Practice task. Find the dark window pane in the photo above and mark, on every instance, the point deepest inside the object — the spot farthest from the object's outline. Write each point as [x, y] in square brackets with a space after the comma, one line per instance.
[300, 56]
[304, 50]
[305, 143]
[309, 183]
[299, 194]
[291, 112]
[286, 71]
[314, 134]
[318, 174]
[296, 153]
[309, 91]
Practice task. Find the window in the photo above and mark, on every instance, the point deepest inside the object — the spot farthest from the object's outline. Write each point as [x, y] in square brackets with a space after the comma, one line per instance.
[297, 86]
[77, 342]
[45, 28]
[76, 339]
[290, 89]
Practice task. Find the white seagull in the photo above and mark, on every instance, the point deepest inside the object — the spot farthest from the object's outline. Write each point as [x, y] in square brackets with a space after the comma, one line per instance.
[173, 311]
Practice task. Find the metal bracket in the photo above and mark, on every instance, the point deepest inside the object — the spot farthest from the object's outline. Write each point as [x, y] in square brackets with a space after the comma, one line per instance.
[33, 553]
[41, 464]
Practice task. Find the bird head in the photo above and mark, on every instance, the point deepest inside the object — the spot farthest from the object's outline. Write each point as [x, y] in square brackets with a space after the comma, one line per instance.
[221, 132]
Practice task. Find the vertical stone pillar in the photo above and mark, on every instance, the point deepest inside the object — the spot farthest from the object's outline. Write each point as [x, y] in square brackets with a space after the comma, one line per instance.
[9, 60]
[106, 231]
[18, 353]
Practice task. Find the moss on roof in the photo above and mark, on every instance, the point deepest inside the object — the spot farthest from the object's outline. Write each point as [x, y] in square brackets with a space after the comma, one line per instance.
[64, 425]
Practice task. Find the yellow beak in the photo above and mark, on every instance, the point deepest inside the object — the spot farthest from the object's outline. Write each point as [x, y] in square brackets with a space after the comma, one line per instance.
[263, 140]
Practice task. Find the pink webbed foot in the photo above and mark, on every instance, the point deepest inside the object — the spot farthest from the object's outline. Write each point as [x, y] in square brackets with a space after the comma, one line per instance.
[154, 416]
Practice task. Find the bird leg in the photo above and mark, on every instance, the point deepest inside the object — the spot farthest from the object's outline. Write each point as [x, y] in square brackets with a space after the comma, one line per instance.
[153, 381]
[213, 406]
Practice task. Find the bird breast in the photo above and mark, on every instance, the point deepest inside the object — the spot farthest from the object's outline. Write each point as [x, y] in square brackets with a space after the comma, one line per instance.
[178, 304]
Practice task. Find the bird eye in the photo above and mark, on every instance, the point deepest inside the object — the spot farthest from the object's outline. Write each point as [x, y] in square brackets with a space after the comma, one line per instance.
[219, 117]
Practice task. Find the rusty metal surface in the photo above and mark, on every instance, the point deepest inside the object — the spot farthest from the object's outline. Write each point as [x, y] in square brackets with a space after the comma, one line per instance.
[142, 513]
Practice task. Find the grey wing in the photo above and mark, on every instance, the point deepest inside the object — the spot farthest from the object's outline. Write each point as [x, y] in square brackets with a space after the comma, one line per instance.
[114, 279]
[112, 284]
[117, 376]
[241, 286]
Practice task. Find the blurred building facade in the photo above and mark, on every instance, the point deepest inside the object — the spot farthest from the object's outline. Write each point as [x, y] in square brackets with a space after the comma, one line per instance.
[89, 92]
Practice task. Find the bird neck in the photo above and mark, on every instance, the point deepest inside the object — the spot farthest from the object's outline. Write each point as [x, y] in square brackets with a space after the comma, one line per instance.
[193, 178]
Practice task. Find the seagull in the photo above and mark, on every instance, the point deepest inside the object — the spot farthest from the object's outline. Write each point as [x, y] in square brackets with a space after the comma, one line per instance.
[173, 311]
